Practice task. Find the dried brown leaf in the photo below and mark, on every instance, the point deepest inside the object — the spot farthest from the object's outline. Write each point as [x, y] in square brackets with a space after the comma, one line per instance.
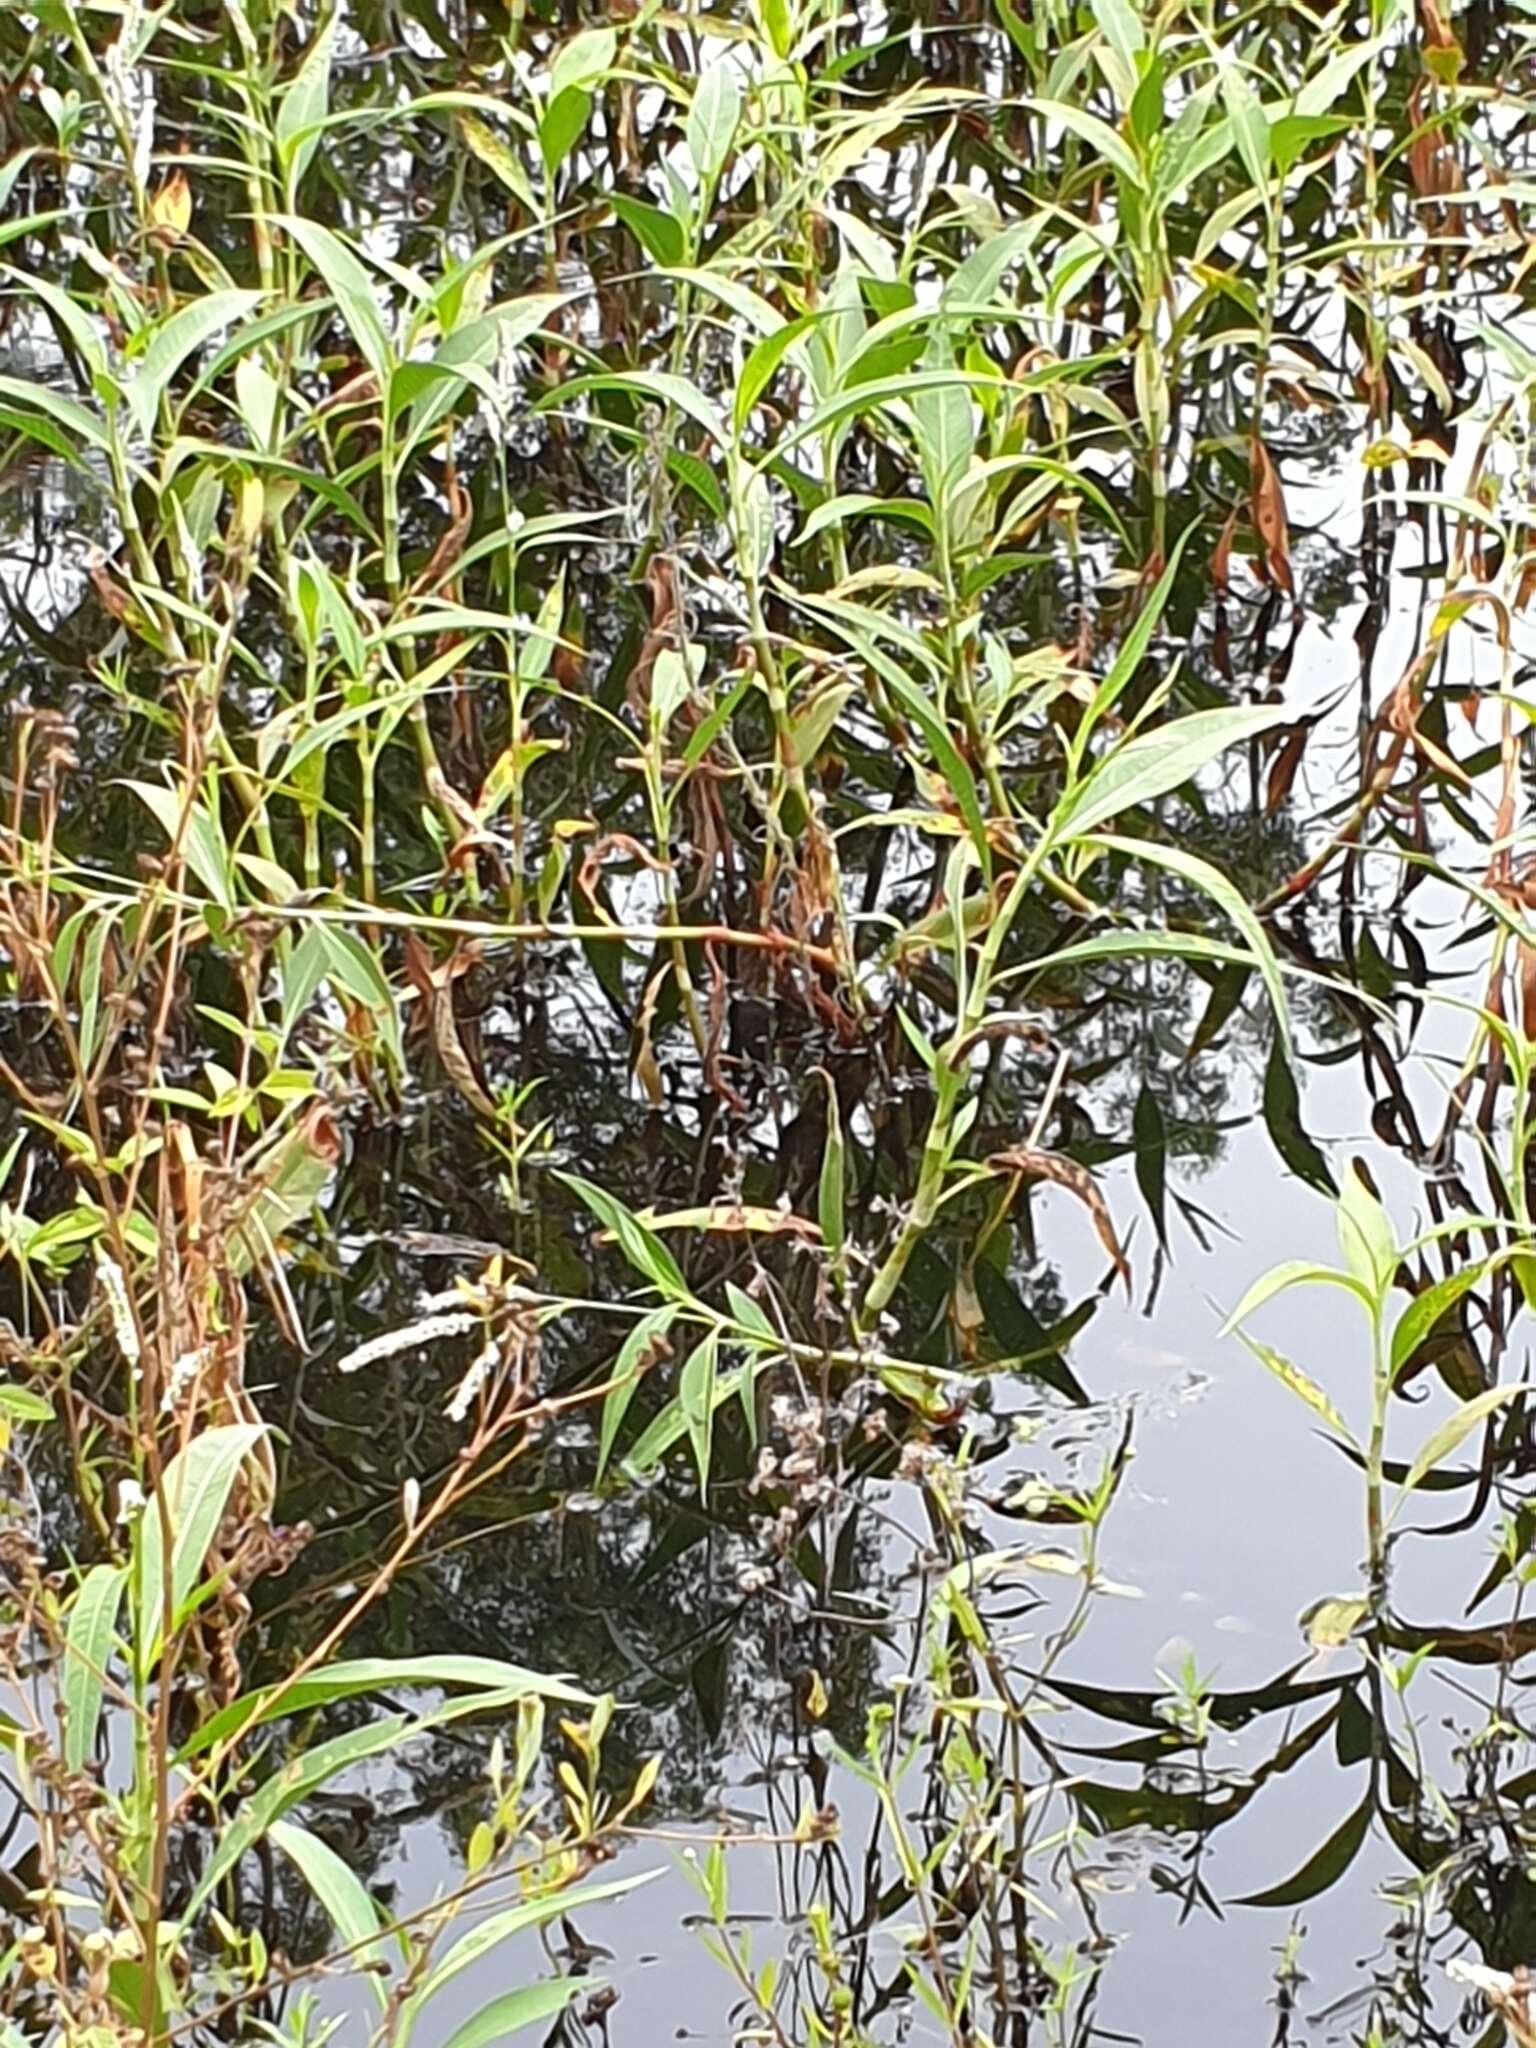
[1269, 523]
[1032, 1164]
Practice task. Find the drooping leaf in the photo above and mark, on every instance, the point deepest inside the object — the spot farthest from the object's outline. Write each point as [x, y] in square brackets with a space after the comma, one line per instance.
[343, 1895]
[639, 1244]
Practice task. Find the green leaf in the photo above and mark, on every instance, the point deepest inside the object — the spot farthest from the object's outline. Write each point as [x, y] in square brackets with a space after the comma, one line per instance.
[758, 370]
[353, 1676]
[660, 234]
[1419, 1319]
[499, 1927]
[295, 1781]
[304, 104]
[30, 398]
[561, 126]
[514, 2010]
[1301, 1384]
[1100, 137]
[1155, 763]
[350, 285]
[1250, 126]
[1453, 1431]
[713, 119]
[626, 1374]
[829, 1199]
[1365, 1235]
[20, 1404]
[88, 1645]
[1292, 1273]
[951, 763]
[343, 1895]
[656, 384]
[173, 341]
[1130, 655]
[1322, 1869]
[582, 60]
[1229, 899]
[194, 1492]
[202, 839]
[696, 1397]
[639, 1244]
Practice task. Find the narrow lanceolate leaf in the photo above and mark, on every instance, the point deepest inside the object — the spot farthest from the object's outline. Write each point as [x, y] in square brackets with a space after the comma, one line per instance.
[1300, 1384]
[343, 1895]
[1282, 1119]
[1292, 1273]
[642, 1348]
[1103, 140]
[347, 280]
[296, 1780]
[23, 397]
[88, 1645]
[194, 1494]
[304, 104]
[696, 1397]
[1157, 762]
[497, 1928]
[829, 1205]
[1229, 899]
[171, 344]
[1269, 521]
[353, 1676]
[1453, 1431]
[1151, 1140]
[640, 1245]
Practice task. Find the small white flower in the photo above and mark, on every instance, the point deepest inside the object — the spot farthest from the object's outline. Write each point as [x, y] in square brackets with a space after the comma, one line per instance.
[130, 1502]
[183, 1371]
[119, 1306]
[392, 1342]
[465, 1392]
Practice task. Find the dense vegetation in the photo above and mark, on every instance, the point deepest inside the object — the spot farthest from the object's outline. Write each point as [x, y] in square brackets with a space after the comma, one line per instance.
[688, 694]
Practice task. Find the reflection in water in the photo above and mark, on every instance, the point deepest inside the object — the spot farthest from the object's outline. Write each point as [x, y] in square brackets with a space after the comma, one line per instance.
[971, 1626]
